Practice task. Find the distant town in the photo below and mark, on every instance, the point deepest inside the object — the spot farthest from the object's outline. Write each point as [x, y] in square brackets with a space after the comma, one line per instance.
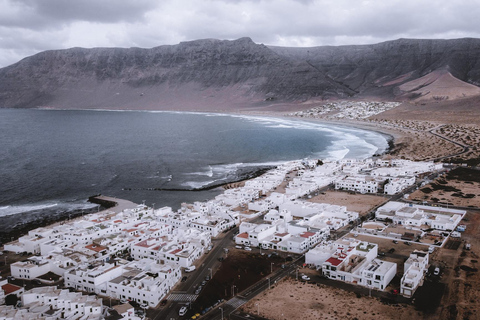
[139, 255]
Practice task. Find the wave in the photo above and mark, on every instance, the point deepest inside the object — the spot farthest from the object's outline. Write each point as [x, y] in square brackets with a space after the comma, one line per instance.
[228, 173]
[199, 184]
[10, 210]
[65, 206]
[338, 154]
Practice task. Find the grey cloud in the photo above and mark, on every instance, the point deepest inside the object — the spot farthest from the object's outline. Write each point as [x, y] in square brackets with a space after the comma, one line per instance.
[35, 25]
[51, 13]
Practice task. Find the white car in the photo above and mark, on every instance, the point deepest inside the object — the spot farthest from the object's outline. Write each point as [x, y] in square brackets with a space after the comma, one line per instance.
[190, 269]
[182, 311]
[305, 277]
[238, 247]
[248, 249]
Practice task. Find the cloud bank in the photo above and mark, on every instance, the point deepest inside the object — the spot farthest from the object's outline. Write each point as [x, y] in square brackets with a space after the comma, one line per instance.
[30, 26]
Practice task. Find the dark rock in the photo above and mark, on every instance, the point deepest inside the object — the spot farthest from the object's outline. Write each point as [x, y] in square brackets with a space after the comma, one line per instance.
[240, 72]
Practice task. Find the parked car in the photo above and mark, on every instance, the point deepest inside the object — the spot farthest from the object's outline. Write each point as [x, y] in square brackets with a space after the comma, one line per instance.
[238, 247]
[436, 272]
[248, 249]
[305, 277]
[184, 278]
[395, 241]
[431, 249]
[221, 259]
[163, 302]
[190, 269]
[392, 250]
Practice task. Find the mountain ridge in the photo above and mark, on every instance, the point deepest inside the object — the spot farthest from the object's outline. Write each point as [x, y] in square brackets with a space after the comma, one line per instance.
[211, 74]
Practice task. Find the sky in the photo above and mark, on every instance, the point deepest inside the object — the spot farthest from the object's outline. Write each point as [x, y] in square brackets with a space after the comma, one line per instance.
[31, 26]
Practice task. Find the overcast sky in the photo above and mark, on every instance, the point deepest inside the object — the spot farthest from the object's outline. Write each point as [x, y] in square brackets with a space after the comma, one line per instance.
[31, 26]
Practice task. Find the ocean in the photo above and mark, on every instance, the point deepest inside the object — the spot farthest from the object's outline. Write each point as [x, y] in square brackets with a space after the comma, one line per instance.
[51, 161]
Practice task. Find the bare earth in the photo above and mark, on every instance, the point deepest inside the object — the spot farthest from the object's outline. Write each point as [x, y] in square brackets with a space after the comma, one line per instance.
[361, 203]
[299, 300]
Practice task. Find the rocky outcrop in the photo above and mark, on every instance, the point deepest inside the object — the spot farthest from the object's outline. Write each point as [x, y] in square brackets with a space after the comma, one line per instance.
[208, 74]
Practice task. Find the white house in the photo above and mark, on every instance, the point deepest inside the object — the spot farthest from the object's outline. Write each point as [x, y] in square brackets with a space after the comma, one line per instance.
[415, 268]
[91, 278]
[355, 262]
[53, 303]
[396, 185]
[358, 183]
[144, 287]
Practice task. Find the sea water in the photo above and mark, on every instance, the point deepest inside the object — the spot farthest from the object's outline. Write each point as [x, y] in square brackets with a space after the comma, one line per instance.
[51, 161]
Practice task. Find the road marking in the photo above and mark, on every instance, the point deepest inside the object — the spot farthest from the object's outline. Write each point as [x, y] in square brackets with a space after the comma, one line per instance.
[182, 297]
[236, 302]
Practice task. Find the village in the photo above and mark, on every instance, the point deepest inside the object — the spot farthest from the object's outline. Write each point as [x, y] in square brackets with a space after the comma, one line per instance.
[136, 256]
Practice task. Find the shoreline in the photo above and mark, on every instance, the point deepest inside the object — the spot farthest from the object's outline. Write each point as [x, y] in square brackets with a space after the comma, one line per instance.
[38, 220]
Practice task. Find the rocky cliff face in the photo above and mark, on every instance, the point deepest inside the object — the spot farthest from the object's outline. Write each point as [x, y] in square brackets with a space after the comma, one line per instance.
[207, 74]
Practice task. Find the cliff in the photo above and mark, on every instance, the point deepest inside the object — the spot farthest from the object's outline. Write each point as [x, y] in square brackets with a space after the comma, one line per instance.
[214, 74]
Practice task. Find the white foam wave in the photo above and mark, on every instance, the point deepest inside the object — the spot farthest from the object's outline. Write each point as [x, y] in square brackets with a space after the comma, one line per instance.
[207, 172]
[65, 206]
[10, 210]
[337, 154]
[197, 184]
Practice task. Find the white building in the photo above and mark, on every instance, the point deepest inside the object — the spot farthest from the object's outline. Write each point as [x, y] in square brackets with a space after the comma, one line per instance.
[416, 215]
[53, 303]
[359, 183]
[144, 287]
[91, 278]
[355, 262]
[396, 185]
[415, 268]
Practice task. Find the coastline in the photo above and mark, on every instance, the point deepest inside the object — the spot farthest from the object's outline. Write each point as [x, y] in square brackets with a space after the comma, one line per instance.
[34, 219]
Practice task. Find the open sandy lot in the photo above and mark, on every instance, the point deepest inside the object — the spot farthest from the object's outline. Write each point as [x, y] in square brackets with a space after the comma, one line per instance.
[361, 203]
[291, 299]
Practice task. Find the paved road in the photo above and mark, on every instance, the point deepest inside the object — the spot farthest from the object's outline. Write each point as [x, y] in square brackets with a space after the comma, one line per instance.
[184, 291]
[226, 309]
[465, 148]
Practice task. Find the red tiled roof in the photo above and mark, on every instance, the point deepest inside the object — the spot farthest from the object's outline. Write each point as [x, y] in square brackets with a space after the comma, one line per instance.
[117, 221]
[176, 251]
[307, 234]
[10, 288]
[142, 244]
[243, 235]
[95, 247]
[281, 234]
[334, 261]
